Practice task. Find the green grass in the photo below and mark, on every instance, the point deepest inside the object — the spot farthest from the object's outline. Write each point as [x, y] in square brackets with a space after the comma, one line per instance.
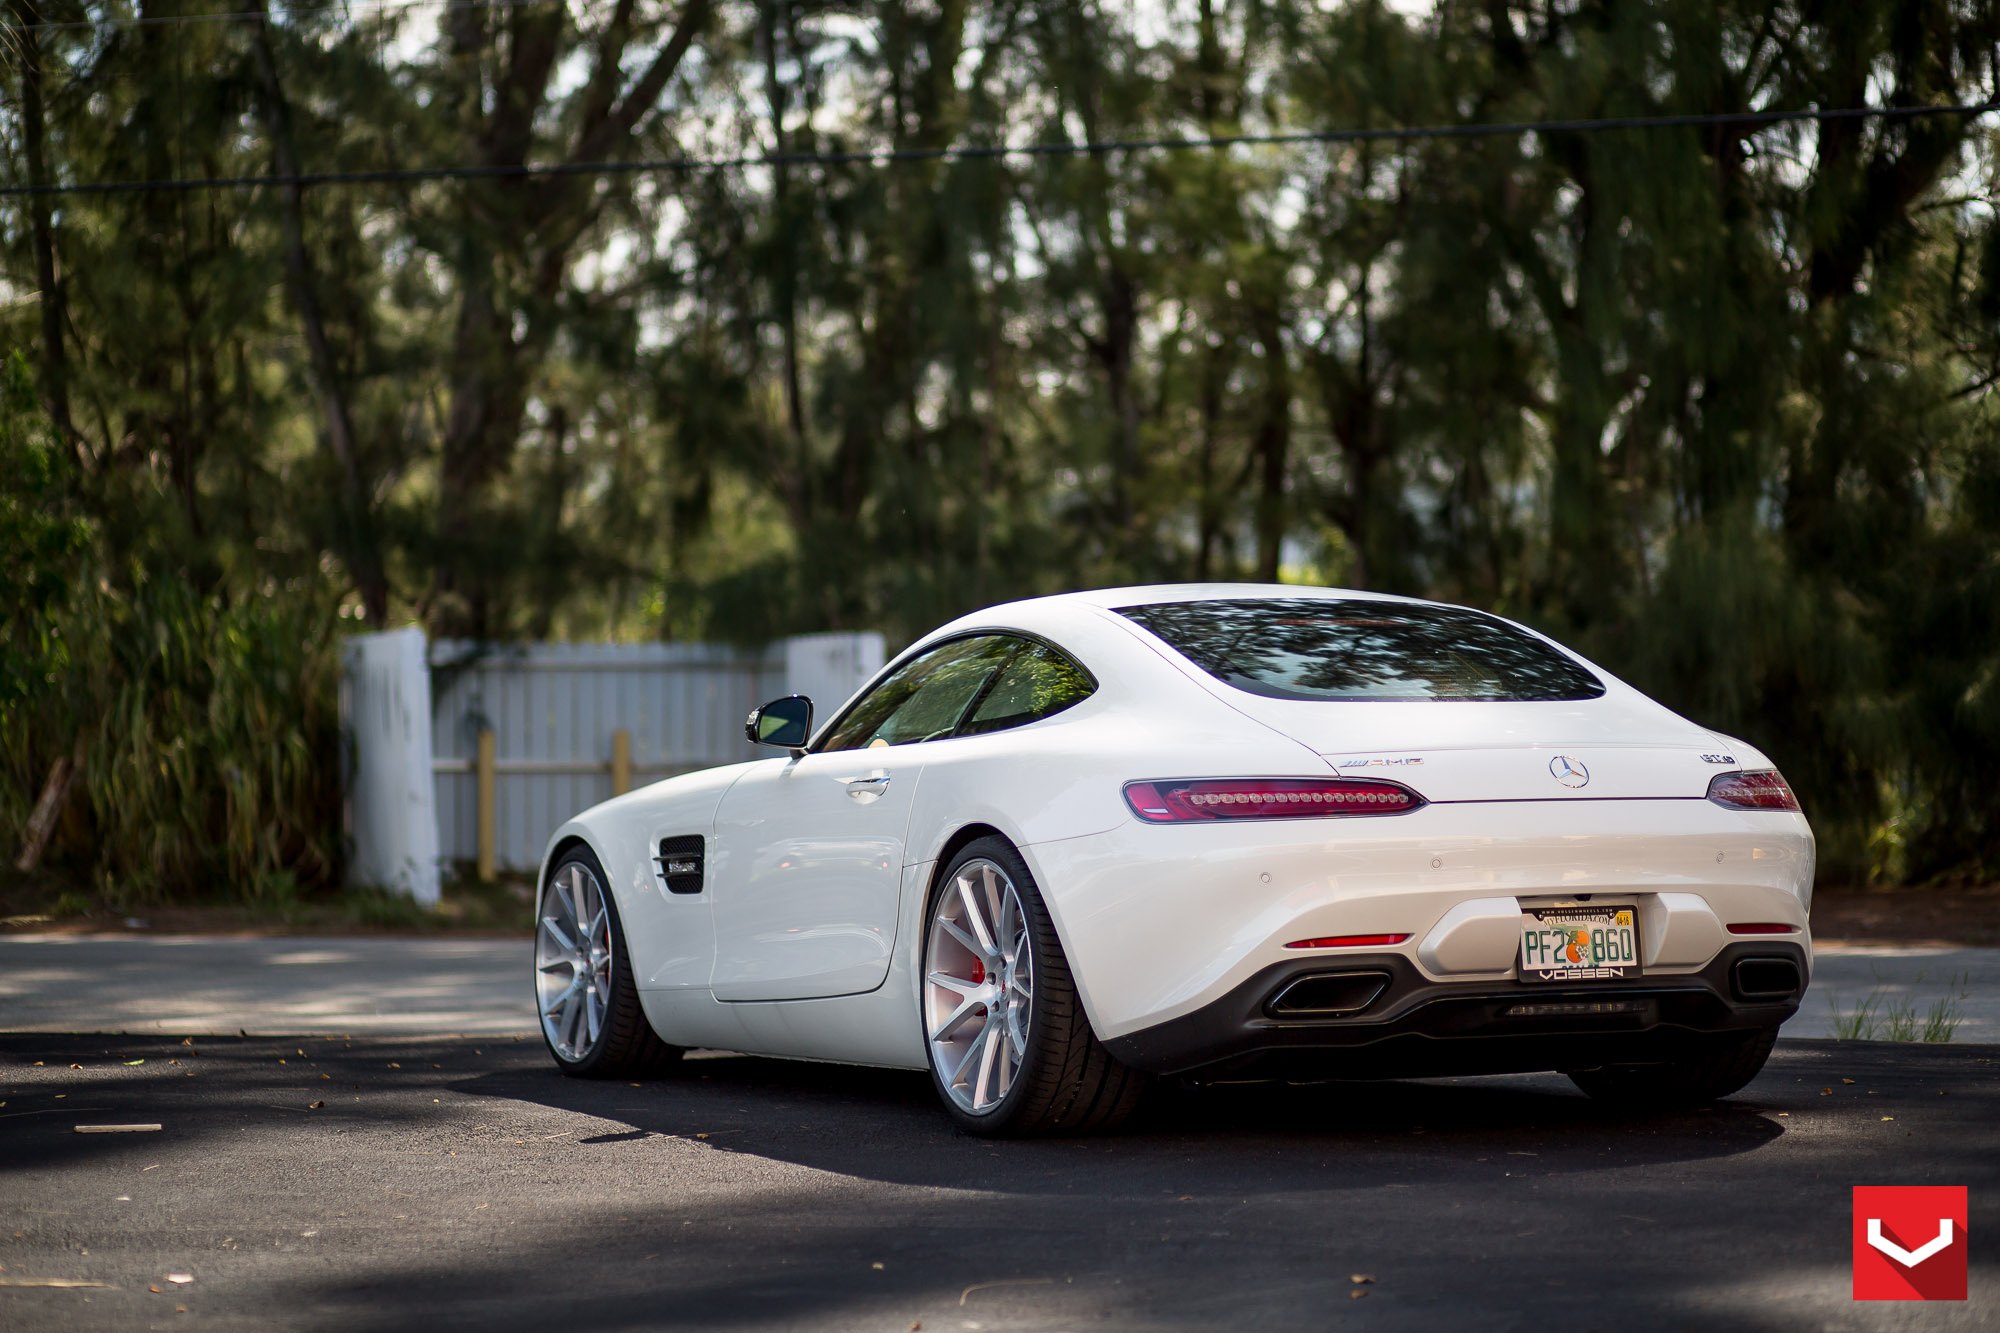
[1881, 1017]
[465, 905]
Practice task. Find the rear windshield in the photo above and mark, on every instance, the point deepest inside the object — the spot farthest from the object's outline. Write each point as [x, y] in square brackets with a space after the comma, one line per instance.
[1317, 648]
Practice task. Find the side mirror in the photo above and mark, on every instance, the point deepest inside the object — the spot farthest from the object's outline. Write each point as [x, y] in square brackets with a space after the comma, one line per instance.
[785, 722]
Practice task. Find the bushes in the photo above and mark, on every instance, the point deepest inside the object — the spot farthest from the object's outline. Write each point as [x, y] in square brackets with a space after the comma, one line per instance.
[213, 772]
[206, 721]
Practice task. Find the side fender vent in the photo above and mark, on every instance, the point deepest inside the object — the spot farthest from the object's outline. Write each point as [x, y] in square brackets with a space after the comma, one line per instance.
[680, 862]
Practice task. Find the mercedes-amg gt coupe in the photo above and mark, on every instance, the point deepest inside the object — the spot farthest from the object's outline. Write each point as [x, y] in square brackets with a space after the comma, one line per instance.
[1061, 847]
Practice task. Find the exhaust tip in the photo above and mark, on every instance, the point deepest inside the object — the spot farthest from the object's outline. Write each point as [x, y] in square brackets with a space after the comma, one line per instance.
[1327, 995]
[1766, 979]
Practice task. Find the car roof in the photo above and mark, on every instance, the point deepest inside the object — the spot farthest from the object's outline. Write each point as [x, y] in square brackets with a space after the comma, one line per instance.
[1146, 594]
[1053, 614]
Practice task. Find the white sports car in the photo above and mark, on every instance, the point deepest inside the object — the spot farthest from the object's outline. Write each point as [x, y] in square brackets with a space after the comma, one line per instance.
[1225, 831]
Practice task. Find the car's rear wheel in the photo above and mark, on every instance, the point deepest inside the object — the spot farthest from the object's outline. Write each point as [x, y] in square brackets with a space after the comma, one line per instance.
[1713, 1068]
[584, 992]
[1011, 1051]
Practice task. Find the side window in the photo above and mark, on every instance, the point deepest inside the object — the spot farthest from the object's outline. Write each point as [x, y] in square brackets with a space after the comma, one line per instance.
[1039, 681]
[924, 698]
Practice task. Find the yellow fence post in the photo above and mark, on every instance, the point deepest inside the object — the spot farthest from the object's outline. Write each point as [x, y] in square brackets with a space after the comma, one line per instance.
[487, 816]
[621, 762]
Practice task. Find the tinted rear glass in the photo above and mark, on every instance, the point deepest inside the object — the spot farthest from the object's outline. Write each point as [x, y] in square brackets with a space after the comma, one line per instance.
[1316, 648]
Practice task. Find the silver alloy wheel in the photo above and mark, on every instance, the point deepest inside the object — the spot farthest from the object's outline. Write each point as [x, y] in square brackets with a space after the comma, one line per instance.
[573, 961]
[979, 985]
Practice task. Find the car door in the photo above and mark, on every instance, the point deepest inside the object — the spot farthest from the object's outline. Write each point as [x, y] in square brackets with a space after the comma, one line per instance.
[811, 850]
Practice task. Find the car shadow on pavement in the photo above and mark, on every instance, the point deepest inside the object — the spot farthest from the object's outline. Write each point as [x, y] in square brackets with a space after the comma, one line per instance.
[886, 1125]
[883, 1125]
[422, 1184]
[1210, 1193]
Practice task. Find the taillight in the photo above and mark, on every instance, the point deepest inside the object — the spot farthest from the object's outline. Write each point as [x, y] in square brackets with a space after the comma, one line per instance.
[1765, 789]
[1190, 800]
[1349, 941]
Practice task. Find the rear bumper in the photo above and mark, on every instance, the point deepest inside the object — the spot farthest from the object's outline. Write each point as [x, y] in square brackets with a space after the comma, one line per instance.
[1163, 921]
[1376, 1015]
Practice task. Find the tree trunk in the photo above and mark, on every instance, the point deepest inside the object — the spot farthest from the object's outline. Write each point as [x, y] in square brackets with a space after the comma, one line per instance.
[55, 380]
[48, 810]
[1273, 443]
[516, 238]
[1208, 516]
[1120, 305]
[794, 486]
[356, 543]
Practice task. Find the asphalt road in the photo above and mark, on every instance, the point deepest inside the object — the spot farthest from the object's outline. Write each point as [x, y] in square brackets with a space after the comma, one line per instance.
[462, 1183]
[385, 986]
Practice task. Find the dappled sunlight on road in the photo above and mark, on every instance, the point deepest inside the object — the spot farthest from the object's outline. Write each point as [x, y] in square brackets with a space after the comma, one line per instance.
[406, 1184]
[186, 984]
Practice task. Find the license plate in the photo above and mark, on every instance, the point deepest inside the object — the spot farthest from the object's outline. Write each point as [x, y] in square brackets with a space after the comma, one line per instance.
[1586, 943]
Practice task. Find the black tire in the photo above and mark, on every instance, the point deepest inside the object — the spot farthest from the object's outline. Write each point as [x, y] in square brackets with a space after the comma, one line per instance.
[626, 1046]
[1066, 1083]
[1712, 1068]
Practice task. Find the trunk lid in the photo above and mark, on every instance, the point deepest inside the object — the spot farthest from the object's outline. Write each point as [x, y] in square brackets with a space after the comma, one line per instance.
[1618, 747]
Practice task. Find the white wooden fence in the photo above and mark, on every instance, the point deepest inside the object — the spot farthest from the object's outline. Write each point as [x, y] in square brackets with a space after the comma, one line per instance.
[522, 736]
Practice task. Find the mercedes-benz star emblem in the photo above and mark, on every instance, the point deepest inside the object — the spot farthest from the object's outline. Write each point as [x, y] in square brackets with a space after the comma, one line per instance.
[1570, 772]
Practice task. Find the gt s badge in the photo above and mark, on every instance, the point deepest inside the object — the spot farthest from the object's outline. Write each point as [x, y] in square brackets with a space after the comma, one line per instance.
[1377, 763]
[1718, 759]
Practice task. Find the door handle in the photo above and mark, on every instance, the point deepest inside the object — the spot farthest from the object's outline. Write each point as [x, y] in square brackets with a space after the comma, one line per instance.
[875, 783]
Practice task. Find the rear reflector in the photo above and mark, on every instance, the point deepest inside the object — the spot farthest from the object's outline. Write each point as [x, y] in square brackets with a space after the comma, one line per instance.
[1189, 800]
[1763, 790]
[1761, 928]
[1349, 941]
[1577, 1008]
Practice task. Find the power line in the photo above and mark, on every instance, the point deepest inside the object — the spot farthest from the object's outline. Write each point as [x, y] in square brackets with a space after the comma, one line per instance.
[980, 152]
[259, 16]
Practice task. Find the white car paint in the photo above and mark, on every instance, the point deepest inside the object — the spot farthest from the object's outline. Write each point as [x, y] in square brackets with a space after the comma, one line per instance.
[805, 939]
[817, 848]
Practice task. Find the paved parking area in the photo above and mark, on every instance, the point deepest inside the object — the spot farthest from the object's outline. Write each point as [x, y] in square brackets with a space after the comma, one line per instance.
[392, 1184]
[386, 985]
[373, 1171]
[194, 984]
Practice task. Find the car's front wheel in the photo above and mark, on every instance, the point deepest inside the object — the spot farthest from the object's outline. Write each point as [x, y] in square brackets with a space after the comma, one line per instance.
[1712, 1068]
[1011, 1051]
[584, 992]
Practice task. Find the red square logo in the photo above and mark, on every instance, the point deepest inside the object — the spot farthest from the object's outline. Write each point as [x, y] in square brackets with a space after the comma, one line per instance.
[1909, 1242]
